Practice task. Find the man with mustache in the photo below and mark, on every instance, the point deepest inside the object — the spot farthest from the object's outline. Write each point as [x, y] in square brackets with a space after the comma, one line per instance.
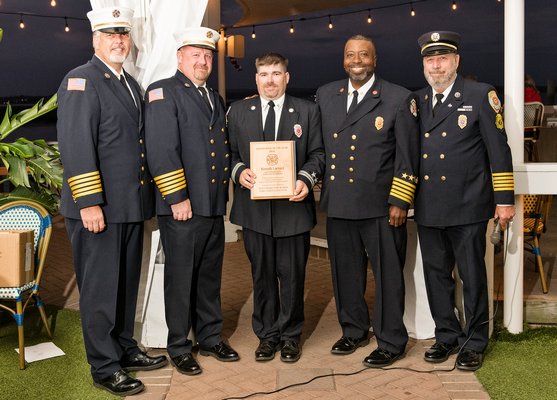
[189, 155]
[276, 232]
[371, 137]
[466, 178]
[107, 194]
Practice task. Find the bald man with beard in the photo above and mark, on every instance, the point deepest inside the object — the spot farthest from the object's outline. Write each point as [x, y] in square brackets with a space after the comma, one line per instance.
[371, 136]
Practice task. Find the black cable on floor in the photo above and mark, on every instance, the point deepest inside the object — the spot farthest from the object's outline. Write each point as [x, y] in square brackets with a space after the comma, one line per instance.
[429, 371]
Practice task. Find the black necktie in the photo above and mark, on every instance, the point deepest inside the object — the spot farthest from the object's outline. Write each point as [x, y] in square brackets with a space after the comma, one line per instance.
[269, 128]
[205, 97]
[124, 84]
[354, 102]
[439, 97]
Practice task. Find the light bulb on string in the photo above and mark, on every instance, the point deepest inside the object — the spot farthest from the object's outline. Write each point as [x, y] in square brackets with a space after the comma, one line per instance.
[412, 12]
[454, 5]
[53, 3]
[67, 27]
[21, 23]
[369, 16]
[330, 23]
[253, 32]
[291, 27]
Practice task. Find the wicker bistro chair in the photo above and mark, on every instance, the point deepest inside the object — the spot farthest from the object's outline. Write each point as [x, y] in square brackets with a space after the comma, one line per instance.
[533, 116]
[536, 212]
[26, 215]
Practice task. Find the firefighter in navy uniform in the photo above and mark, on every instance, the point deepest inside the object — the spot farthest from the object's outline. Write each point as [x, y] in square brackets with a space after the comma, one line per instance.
[107, 194]
[466, 178]
[276, 232]
[371, 136]
[189, 156]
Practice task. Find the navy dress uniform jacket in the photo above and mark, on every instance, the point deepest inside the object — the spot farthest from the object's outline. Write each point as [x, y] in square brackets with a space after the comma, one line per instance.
[187, 146]
[100, 135]
[372, 153]
[466, 165]
[277, 218]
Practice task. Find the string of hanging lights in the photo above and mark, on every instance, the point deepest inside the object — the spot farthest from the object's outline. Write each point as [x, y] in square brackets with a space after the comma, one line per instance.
[367, 11]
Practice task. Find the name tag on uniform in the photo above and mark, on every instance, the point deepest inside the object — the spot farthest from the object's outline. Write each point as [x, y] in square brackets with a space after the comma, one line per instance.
[465, 108]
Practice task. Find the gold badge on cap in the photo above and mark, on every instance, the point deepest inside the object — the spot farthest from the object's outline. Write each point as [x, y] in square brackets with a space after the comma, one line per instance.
[435, 36]
[116, 13]
[462, 121]
[209, 34]
[379, 121]
[413, 108]
[499, 121]
[494, 101]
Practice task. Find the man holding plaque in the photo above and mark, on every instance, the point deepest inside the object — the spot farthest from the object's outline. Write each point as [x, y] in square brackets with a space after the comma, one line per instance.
[371, 137]
[276, 226]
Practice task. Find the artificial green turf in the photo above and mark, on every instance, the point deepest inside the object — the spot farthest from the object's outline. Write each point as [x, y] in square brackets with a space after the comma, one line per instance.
[60, 378]
[521, 367]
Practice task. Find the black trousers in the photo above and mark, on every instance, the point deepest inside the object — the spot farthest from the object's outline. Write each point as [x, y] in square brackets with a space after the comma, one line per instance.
[193, 252]
[107, 268]
[351, 244]
[441, 248]
[278, 267]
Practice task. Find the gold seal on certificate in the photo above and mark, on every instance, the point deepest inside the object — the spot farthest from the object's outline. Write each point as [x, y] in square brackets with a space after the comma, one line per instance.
[274, 164]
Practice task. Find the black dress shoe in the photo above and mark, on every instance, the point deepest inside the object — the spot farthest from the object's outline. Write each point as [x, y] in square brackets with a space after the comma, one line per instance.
[143, 362]
[469, 360]
[348, 345]
[290, 351]
[186, 364]
[440, 352]
[120, 384]
[221, 352]
[266, 350]
[381, 358]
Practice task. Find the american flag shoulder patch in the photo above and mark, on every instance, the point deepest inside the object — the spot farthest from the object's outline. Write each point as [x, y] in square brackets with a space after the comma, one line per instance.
[156, 94]
[76, 84]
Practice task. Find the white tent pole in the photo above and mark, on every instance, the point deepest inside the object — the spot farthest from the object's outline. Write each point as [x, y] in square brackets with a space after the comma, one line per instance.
[514, 122]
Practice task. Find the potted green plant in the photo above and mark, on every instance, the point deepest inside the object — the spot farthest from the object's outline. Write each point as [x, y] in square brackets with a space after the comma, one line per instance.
[33, 166]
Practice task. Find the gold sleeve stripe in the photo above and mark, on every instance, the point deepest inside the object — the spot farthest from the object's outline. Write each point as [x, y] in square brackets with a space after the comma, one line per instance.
[167, 185]
[83, 176]
[87, 188]
[401, 182]
[178, 172]
[503, 181]
[402, 196]
[76, 195]
[172, 189]
[85, 184]
[80, 185]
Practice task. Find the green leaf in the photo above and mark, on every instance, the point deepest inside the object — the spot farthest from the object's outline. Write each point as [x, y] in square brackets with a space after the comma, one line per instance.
[17, 170]
[22, 193]
[25, 116]
[5, 125]
[17, 148]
